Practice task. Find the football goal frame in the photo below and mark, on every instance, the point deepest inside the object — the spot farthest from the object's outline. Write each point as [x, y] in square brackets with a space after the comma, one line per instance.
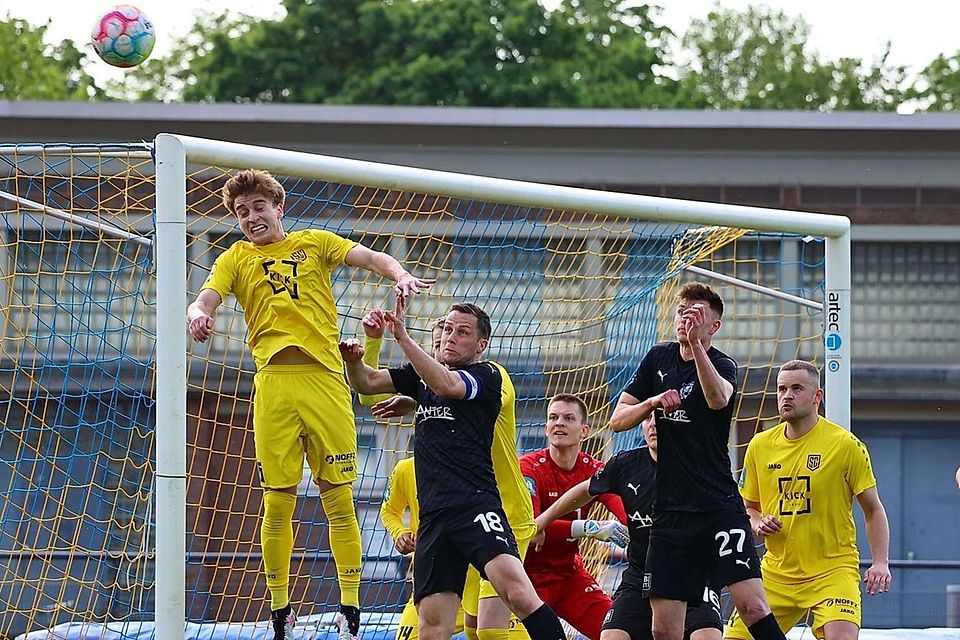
[175, 153]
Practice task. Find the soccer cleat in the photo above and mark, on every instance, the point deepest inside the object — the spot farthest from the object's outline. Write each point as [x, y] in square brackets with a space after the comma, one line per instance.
[348, 623]
[283, 621]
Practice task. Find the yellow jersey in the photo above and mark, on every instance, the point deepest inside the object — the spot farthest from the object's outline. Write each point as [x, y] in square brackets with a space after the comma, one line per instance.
[401, 497]
[809, 485]
[286, 294]
[506, 465]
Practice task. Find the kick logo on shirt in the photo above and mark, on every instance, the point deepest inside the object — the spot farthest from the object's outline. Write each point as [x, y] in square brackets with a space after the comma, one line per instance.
[794, 495]
[281, 276]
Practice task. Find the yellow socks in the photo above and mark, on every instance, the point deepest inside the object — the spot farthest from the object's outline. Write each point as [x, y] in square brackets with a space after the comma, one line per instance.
[276, 540]
[344, 541]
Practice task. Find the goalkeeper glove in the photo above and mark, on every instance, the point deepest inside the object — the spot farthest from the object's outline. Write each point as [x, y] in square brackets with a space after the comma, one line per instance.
[603, 530]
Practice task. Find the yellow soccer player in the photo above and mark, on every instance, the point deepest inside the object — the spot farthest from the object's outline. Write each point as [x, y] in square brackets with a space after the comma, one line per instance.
[402, 498]
[495, 621]
[798, 484]
[302, 404]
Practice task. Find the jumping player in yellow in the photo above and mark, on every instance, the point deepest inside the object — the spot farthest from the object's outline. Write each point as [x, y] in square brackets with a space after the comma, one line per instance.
[798, 484]
[485, 615]
[302, 405]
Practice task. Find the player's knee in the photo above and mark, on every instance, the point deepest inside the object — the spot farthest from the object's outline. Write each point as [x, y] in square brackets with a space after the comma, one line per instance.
[278, 507]
[753, 609]
[430, 627]
[520, 597]
[665, 630]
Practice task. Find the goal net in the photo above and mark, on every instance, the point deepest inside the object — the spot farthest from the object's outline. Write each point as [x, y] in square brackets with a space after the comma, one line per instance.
[112, 422]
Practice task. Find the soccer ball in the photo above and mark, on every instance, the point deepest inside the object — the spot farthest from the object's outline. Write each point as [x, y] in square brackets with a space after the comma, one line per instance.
[123, 36]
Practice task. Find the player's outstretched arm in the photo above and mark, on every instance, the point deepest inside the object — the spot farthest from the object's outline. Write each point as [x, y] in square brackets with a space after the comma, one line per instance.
[200, 314]
[373, 328]
[574, 498]
[362, 377]
[442, 381]
[388, 267]
[877, 576]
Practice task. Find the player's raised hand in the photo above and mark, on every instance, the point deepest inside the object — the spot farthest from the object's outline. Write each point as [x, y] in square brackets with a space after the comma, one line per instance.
[351, 350]
[374, 323]
[407, 284]
[607, 531]
[767, 526]
[393, 407]
[696, 322]
[878, 578]
[396, 319]
[200, 328]
[669, 400]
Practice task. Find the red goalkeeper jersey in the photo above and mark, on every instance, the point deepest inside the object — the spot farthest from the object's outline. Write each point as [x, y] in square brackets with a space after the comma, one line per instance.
[546, 481]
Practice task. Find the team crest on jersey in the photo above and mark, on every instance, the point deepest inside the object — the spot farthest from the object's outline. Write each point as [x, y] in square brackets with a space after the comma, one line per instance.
[685, 390]
[531, 485]
[281, 276]
[813, 461]
[299, 255]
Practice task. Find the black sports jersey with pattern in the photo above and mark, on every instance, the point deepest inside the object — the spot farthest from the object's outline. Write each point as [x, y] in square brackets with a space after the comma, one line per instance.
[454, 438]
[693, 470]
[632, 476]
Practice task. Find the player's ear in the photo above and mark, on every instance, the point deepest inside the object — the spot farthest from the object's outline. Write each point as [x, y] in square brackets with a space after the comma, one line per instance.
[715, 326]
[482, 346]
[584, 431]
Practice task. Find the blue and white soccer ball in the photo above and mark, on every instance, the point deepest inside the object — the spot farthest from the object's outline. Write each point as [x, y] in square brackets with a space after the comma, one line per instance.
[123, 36]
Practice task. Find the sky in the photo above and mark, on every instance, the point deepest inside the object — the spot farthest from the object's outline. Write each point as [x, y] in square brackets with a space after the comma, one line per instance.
[918, 30]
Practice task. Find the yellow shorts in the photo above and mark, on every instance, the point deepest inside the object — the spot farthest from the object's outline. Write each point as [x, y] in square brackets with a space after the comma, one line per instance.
[830, 598]
[303, 410]
[476, 589]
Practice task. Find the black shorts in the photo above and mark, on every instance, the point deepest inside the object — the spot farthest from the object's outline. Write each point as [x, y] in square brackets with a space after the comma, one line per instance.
[449, 540]
[631, 613]
[688, 550]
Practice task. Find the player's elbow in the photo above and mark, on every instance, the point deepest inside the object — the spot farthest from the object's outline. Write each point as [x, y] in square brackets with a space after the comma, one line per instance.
[619, 422]
[717, 401]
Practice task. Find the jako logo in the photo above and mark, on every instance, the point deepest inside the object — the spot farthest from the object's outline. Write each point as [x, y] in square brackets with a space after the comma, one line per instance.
[833, 341]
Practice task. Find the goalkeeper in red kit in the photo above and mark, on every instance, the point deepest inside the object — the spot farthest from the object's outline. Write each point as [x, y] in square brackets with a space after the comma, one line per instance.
[556, 567]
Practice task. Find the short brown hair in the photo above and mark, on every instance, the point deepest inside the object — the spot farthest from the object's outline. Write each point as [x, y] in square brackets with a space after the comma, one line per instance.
[699, 292]
[483, 320]
[252, 181]
[803, 365]
[572, 399]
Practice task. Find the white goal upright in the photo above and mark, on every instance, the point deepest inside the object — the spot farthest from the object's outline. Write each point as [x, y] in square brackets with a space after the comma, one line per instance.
[103, 247]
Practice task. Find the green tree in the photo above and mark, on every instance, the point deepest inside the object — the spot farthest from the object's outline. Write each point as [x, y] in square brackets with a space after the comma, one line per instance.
[758, 59]
[937, 86]
[585, 53]
[35, 70]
